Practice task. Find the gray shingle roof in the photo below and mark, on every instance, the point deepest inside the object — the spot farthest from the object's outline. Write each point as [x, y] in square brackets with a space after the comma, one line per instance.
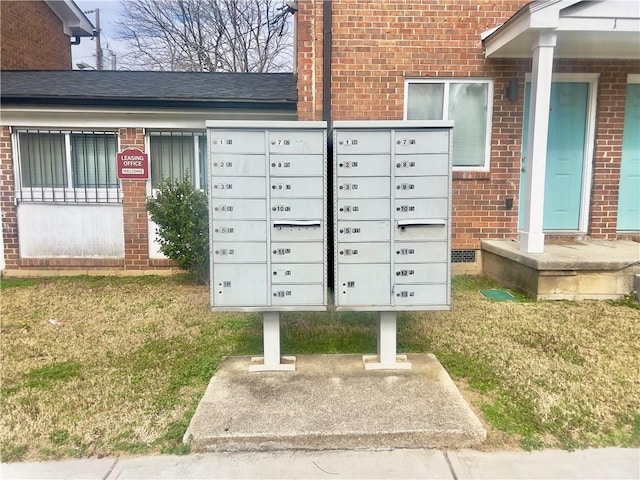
[123, 87]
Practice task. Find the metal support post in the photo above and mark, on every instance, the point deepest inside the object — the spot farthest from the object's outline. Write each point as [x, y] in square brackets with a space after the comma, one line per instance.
[271, 361]
[387, 359]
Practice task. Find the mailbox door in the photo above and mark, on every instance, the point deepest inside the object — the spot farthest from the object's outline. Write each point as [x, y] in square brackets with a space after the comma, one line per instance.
[361, 165]
[239, 252]
[421, 165]
[415, 141]
[360, 231]
[297, 294]
[362, 141]
[239, 230]
[419, 208]
[426, 229]
[420, 294]
[301, 187]
[363, 209]
[363, 187]
[354, 285]
[296, 165]
[230, 286]
[236, 141]
[296, 208]
[245, 187]
[413, 252]
[238, 165]
[420, 272]
[297, 252]
[297, 273]
[297, 231]
[368, 252]
[233, 209]
[421, 187]
[295, 141]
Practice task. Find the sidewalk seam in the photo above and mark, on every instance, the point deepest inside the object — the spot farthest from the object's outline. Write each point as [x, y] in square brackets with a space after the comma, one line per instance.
[446, 457]
[113, 465]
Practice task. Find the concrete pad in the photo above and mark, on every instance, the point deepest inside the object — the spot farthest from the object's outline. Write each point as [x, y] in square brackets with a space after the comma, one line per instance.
[88, 469]
[427, 464]
[332, 402]
[618, 463]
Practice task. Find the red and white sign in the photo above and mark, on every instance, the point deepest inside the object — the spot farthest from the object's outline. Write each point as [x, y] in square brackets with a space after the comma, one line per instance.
[132, 163]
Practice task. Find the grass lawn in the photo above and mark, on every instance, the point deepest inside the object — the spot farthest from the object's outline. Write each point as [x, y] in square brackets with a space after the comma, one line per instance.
[96, 366]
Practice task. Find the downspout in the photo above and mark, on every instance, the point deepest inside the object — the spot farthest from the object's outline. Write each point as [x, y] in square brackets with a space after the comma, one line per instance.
[326, 62]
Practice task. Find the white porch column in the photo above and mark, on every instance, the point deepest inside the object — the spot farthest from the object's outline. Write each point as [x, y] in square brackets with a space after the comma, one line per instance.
[531, 237]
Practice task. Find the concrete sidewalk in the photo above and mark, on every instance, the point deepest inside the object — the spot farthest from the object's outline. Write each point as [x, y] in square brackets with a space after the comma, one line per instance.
[608, 463]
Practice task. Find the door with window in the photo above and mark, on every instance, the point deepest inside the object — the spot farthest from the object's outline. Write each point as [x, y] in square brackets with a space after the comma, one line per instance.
[629, 193]
[565, 162]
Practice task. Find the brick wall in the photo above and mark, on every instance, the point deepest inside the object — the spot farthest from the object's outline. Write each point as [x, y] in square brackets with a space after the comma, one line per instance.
[8, 208]
[32, 37]
[377, 45]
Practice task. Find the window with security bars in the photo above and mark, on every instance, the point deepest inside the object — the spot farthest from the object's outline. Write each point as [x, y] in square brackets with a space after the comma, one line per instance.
[67, 166]
[177, 155]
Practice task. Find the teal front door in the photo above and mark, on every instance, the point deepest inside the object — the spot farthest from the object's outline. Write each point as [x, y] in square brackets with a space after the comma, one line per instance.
[629, 194]
[565, 156]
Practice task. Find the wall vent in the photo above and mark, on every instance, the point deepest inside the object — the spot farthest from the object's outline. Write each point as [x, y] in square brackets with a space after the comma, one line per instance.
[463, 256]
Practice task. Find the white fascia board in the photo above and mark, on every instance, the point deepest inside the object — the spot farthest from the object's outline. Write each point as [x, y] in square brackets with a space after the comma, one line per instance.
[582, 24]
[74, 22]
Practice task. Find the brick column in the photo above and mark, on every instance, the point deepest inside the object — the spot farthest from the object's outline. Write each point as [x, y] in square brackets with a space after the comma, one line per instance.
[134, 196]
[7, 202]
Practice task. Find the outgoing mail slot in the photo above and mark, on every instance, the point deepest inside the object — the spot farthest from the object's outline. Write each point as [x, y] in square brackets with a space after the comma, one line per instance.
[283, 187]
[412, 141]
[357, 141]
[296, 141]
[421, 208]
[296, 165]
[297, 273]
[410, 252]
[244, 165]
[246, 187]
[422, 229]
[297, 230]
[360, 165]
[234, 141]
[407, 295]
[295, 208]
[366, 252]
[420, 272]
[229, 285]
[363, 209]
[427, 164]
[234, 209]
[369, 230]
[354, 285]
[297, 252]
[239, 252]
[292, 294]
[363, 187]
[423, 187]
[239, 231]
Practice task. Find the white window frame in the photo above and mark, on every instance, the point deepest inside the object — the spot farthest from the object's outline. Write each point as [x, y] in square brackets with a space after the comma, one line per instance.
[68, 194]
[445, 104]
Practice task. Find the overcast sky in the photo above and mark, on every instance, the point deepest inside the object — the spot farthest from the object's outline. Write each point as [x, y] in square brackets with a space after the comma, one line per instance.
[109, 15]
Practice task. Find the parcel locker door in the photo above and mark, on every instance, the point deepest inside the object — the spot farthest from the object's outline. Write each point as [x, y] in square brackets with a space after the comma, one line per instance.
[297, 231]
[296, 141]
[417, 208]
[293, 294]
[363, 209]
[238, 165]
[297, 252]
[296, 165]
[230, 286]
[420, 294]
[366, 252]
[421, 187]
[297, 208]
[421, 165]
[234, 209]
[415, 141]
[287, 187]
[245, 187]
[297, 273]
[363, 187]
[414, 252]
[364, 165]
[239, 231]
[420, 272]
[366, 230]
[363, 285]
[239, 252]
[235, 141]
[359, 142]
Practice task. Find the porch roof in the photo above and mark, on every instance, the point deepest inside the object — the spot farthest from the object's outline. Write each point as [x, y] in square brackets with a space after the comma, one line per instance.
[584, 28]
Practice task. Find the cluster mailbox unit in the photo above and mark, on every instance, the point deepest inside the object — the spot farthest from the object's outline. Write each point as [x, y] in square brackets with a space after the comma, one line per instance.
[391, 213]
[268, 221]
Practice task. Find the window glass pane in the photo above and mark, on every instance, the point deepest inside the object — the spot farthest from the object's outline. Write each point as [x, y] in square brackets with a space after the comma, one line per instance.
[93, 157]
[468, 110]
[425, 101]
[42, 160]
[202, 152]
[171, 157]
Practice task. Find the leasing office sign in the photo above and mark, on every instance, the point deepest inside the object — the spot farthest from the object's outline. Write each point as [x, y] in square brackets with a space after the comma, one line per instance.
[132, 163]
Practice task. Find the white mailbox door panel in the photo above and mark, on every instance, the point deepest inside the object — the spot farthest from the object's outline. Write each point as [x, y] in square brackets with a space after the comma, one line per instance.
[246, 187]
[415, 141]
[358, 141]
[361, 165]
[297, 273]
[296, 208]
[364, 252]
[423, 229]
[296, 252]
[364, 187]
[417, 294]
[406, 252]
[234, 141]
[239, 252]
[233, 209]
[294, 294]
[238, 165]
[296, 165]
[421, 165]
[416, 208]
[230, 286]
[363, 209]
[295, 141]
[287, 187]
[420, 272]
[297, 231]
[354, 285]
[367, 230]
[239, 230]
[421, 187]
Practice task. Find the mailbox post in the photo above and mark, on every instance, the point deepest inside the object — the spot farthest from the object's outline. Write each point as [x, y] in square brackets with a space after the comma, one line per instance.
[268, 223]
[392, 210]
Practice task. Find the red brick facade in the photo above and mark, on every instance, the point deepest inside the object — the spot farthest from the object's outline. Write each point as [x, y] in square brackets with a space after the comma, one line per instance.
[43, 46]
[376, 46]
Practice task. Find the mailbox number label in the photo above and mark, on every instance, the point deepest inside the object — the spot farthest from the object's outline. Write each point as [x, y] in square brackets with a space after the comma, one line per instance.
[281, 141]
[406, 141]
[224, 230]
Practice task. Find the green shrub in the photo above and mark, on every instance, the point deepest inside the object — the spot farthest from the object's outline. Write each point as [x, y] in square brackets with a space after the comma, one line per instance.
[181, 213]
